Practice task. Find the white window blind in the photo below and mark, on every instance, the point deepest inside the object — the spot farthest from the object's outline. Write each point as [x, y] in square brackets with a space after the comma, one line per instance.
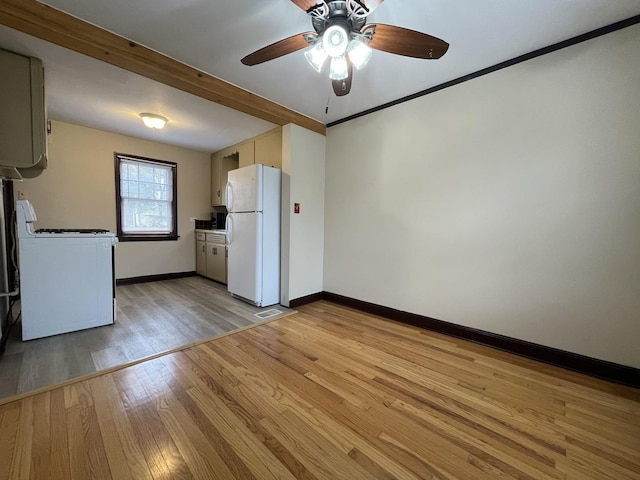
[146, 196]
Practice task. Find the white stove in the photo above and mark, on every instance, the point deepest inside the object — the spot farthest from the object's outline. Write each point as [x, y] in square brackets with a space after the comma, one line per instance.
[67, 279]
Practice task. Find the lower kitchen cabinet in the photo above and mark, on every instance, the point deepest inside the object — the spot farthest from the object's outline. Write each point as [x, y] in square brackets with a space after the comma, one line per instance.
[211, 255]
[216, 262]
[201, 257]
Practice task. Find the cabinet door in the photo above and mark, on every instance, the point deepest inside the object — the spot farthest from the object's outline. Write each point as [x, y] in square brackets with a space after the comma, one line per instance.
[201, 258]
[216, 192]
[226, 165]
[268, 150]
[246, 154]
[216, 262]
[23, 133]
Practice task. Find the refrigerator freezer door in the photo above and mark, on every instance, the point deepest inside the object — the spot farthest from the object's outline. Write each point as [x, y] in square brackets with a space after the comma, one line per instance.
[244, 265]
[244, 189]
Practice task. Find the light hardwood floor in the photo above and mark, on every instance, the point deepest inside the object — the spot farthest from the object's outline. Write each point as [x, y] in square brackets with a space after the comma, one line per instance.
[152, 318]
[327, 393]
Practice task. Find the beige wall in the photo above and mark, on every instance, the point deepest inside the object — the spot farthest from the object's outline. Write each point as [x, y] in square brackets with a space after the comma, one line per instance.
[78, 190]
[509, 203]
[303, 162]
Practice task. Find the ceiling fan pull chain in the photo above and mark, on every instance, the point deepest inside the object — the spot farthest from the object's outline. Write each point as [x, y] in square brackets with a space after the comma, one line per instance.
[326, 110]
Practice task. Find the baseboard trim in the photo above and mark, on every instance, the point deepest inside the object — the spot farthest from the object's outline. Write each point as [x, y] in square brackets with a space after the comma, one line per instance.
[298, 302]
[154, 278]
[594, 367]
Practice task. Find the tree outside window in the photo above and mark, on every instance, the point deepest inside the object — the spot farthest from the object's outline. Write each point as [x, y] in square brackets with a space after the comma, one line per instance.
[146, 198]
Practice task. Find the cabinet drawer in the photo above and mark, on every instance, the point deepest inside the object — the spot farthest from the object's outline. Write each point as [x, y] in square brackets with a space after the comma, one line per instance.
[200, 236]
[217, 238]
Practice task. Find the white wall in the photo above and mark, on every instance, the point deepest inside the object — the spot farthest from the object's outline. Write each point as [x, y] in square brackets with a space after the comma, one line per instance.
[303, 159]
[509, 203]
[78, 190]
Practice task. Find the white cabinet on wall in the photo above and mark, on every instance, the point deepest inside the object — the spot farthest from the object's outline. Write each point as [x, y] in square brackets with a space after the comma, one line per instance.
[268, 149]
[246, 154]
[220, 167]
[23, 141]
[265, 149]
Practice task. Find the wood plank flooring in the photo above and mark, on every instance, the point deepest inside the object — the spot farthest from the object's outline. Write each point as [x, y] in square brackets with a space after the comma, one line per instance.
[152, 318]
[327, 393]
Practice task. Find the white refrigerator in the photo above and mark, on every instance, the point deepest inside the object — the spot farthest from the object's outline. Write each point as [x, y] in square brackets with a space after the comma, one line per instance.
[253, 234]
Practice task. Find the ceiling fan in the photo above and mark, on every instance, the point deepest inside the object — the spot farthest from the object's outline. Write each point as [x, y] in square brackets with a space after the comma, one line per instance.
[342, 34]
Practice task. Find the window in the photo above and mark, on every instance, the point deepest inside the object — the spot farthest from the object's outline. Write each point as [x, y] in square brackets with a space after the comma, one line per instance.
[146, 198]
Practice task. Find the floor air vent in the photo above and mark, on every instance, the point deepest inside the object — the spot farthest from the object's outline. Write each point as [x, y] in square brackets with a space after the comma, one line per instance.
[268, 313]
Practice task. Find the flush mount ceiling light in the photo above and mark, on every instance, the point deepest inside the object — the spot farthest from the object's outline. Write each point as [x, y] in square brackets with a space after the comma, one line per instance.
[152, 120]
[343, 34]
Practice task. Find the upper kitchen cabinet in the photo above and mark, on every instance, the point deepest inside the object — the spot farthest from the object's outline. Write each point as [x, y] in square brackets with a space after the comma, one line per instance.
[221, 164]
[246, 154]
[216, 193]
[269, 148]
[23, 141]
[265, 149]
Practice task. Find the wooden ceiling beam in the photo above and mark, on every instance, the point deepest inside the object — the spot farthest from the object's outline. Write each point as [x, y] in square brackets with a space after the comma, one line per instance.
[57, 27]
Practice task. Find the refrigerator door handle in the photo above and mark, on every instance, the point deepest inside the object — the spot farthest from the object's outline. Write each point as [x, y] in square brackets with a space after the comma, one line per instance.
[229, 196]
[229, 227]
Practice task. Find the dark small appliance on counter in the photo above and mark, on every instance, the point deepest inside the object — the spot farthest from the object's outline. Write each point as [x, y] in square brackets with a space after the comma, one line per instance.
[218, 220]
[204, 225]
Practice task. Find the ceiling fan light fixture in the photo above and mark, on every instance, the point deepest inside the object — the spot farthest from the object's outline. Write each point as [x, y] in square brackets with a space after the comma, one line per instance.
[359, 53]
[152, 120]
[335, 40]
[316, 56]
[339, 68]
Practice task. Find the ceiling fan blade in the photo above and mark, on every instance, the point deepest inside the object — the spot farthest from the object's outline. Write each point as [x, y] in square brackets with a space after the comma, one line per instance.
[278, 49]
[402, 41]
[307, 5]
[343, 87]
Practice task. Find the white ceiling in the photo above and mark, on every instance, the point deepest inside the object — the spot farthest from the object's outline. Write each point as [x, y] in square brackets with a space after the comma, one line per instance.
[214, 35]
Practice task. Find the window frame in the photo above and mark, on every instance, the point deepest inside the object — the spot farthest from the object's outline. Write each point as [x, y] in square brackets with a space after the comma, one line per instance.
[151, 236]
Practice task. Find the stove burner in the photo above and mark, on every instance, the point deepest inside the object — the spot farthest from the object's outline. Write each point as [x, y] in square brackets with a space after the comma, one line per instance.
[72, 230]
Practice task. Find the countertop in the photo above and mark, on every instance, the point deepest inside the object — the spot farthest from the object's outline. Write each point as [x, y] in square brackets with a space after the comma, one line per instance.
[202, 230]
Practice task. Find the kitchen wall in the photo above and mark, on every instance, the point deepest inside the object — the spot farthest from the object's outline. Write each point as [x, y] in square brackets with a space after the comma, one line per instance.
[509, 203]
[78, 190]
[303, 166]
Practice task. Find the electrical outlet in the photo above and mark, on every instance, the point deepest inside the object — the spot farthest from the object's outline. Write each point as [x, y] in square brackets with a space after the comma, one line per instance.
[21, 195]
